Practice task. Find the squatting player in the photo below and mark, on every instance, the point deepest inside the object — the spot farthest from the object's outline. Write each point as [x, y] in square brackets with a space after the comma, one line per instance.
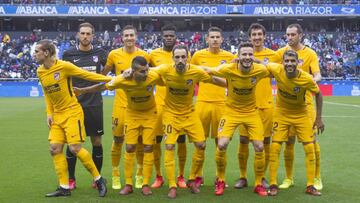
[65, 117]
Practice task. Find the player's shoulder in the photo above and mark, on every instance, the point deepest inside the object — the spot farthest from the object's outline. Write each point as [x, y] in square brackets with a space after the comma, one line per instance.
[201, 52]
[309, 50]
[305, 75]
[259, 67]
[141, 52]
[282, 50]
[223, 52]
[70, 52]
[98, 50]
[116, 51]
[156, 51]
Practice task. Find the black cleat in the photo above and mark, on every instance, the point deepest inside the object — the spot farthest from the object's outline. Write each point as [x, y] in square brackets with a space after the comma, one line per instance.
[101, 186]
[59, 192]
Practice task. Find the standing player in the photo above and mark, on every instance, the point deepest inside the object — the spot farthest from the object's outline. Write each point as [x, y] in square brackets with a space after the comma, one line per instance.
[141, 117]
[65, 117]
[264, 103]
[159, 56]
[240, 109]
[91, 59]
[120, 60]
[211, 99]
[308, 62]
[292, 112]
[179, 113]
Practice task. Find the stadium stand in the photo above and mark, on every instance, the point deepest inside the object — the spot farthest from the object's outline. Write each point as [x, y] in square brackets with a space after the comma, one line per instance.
[338, 53]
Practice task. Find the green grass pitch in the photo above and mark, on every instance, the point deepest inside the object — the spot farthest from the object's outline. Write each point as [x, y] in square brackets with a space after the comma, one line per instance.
[27, 171]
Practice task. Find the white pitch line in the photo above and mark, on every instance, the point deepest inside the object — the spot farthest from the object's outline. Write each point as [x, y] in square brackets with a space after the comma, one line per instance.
[341, 116]
[341, 104]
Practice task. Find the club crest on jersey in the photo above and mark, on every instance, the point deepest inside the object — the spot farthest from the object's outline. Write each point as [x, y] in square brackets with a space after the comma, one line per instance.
[266, 60]
[95, 59]
[57, 76]
[222, 61]
[189, 82]
[253, 80]
[149, 88]
[296, 89]
[301, 62]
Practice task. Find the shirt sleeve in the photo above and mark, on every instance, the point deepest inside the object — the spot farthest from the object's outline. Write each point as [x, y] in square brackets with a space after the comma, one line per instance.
[103, 57]
[49, 106]
[160, 69]
[204, 76]
[314, 63]
[73, 70]
[221, 71]
[194, 59]
[109, 61]
[313, 87]
[116, 83]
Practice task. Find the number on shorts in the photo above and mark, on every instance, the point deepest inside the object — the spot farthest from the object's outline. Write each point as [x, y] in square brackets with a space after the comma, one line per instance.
[222, 123]
[275, 125]
[167, 128]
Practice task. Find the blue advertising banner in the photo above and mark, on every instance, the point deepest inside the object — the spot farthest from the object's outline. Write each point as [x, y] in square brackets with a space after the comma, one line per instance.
[179, 10]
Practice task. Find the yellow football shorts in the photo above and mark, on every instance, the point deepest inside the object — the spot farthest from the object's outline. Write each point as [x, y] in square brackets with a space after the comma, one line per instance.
[250, 121]
[174, 125]
[118, 120]
[140, 124]
[158, 131]
[311, 114]
[210, 114]
[301, 124]
[68, 127]
[266, 116]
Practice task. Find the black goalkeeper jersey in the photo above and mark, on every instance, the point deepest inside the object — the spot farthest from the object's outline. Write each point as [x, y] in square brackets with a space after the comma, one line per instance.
[93, 61]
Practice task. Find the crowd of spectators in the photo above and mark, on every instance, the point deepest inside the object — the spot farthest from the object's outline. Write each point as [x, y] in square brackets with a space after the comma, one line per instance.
[339, 54]
[238, 2]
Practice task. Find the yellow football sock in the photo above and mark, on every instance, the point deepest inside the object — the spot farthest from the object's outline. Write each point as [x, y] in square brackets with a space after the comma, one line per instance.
[157, 158]
[317, 158]
[129, 167]
[87, 161]
[243, 155]
[197, 162]
[148, 165]
[170, 167]
[259, 166]
[310, 163]
[61, 168]
[289, 160]
[220, 158]
[267, 156]
[182, 157]
[274, 162]
[139, 158]
[115, 157]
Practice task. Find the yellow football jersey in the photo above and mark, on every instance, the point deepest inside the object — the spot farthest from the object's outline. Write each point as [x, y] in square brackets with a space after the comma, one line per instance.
[308, 62]
[140, 96]
[291, 92]
[211, 92]
[241, 87]
[263, 92]
[180, 87]
[57, 84]
[159, 57]
[121, 60]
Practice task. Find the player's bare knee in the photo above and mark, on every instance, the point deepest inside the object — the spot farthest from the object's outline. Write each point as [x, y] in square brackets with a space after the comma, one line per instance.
[181, 139]
[170, 147]
[223, 143]
[55, 149]
[96, 141]
[130, 148]
[148, 148]
[200, 145]
[75, 148]
[258, 145]
[244, 140]
[119, 140]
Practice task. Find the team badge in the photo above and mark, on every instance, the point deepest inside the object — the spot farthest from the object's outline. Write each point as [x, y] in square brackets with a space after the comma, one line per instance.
[301, 62]
[189, 82]
[149, 88]
[266, 60]
[222, 61]
[296, 89]
[57, 76]
[253, 80]
[95, 59]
